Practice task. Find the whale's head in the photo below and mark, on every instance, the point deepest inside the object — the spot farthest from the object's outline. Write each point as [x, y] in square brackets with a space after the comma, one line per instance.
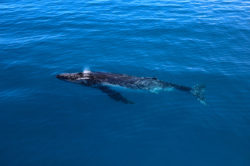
[71, 77]
[81, 77]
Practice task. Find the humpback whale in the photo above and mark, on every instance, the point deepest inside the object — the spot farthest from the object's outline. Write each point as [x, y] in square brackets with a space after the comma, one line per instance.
[103, 80]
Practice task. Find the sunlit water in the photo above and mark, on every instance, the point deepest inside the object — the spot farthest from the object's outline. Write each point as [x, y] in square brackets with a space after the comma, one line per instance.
[45, 121]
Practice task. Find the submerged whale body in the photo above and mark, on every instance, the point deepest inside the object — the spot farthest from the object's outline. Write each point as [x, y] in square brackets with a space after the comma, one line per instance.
[102, 80]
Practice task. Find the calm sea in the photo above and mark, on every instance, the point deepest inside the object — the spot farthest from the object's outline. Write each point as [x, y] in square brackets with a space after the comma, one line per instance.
[44, 121]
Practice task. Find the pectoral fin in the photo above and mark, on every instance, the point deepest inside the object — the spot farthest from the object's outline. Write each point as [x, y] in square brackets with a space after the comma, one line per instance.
[114, 94]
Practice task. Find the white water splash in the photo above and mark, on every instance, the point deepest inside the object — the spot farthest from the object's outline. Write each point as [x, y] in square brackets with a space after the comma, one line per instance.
[86, 70]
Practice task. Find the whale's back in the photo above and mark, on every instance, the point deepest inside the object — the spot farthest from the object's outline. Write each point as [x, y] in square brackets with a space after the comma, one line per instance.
[127, 81]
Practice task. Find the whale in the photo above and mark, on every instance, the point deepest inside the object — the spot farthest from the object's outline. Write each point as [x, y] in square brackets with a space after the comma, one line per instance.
[105, 80]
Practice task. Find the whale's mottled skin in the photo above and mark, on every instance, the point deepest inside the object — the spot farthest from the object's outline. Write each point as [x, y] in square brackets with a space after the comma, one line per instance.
[101, 80]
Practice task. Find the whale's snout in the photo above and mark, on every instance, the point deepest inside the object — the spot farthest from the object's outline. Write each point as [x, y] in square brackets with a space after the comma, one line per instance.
[64, 76]
[72, 77]
[60, 76]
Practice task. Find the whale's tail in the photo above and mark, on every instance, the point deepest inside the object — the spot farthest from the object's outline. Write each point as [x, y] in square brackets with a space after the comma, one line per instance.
[198, 92]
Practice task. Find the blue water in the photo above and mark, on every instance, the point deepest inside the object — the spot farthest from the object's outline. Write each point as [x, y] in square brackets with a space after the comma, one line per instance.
[45, 121]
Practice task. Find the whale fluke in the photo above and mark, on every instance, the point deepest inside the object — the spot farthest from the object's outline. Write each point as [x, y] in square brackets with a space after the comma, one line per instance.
[198, 92]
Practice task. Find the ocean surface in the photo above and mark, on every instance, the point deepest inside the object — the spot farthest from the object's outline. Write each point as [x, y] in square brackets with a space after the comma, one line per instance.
[45, 121]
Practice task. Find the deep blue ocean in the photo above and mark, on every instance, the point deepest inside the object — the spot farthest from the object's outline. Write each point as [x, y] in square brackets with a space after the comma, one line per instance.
[45, 121]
